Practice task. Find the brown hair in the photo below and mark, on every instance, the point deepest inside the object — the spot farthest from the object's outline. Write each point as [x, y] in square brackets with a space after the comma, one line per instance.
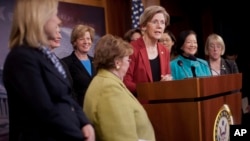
[149, 13]
[108, 49]
[130, 32]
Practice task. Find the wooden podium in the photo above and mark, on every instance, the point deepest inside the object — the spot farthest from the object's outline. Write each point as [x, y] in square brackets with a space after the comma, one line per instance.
[186, 109]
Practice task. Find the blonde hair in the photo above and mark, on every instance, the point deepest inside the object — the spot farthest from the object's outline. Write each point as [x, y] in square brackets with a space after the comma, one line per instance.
[29, 18]
[149, 13]
[218, 39]
[79, 30]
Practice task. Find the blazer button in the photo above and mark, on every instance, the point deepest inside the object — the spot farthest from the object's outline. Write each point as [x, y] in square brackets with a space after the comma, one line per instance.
[72, 109]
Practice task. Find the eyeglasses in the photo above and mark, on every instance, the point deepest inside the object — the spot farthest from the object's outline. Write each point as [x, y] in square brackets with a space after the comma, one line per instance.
[215, 46]
[156, 22]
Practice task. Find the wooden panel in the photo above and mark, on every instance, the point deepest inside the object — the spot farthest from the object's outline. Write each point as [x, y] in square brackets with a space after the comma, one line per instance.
[211, 107]
[98, 3]
[118, 16]
[209, 111]
[175, 121]
[168, 89]
[234, 102]
[190, 120]
[219, 84]
[189, 88]
[147, 3]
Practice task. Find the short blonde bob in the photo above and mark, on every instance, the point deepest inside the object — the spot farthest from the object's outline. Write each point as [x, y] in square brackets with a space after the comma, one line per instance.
[218, 39]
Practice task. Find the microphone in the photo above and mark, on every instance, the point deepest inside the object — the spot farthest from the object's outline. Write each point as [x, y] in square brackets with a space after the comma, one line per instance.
[193, 71]
[180, 63]
[192, 57]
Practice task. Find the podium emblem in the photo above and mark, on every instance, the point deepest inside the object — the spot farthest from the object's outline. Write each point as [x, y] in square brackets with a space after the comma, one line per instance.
[222, 123]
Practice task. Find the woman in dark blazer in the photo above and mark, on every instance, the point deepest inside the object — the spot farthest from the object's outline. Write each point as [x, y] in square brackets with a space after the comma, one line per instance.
[40, 105]
[79, 63]
[214, 49]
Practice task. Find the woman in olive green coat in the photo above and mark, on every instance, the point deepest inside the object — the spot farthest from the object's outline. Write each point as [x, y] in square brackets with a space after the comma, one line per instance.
[113, 110]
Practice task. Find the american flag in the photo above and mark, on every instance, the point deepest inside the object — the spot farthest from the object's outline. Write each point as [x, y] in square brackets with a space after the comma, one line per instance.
[137, 9]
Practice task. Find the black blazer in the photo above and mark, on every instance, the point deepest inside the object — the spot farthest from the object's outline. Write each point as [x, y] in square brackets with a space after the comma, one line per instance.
[228, 66]
[80, 76]
[40, 105]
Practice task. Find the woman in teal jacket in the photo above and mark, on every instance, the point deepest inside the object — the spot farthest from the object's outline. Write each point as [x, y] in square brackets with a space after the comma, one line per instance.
[186, 65]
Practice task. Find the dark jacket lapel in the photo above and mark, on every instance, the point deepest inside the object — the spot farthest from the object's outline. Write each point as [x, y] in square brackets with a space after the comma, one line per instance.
[51, 68]
[78, 63]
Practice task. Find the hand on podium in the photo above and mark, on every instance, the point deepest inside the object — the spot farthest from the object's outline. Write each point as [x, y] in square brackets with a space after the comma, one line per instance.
[166, 77]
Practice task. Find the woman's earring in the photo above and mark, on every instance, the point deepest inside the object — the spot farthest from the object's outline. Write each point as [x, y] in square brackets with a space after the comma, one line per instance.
[117, 67]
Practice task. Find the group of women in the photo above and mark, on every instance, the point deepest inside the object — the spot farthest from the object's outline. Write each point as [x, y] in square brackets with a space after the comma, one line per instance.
[40, 85]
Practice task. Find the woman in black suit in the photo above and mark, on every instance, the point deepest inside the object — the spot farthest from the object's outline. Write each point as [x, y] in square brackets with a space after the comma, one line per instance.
[79, 63]
[214, 49]
[40, 105]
